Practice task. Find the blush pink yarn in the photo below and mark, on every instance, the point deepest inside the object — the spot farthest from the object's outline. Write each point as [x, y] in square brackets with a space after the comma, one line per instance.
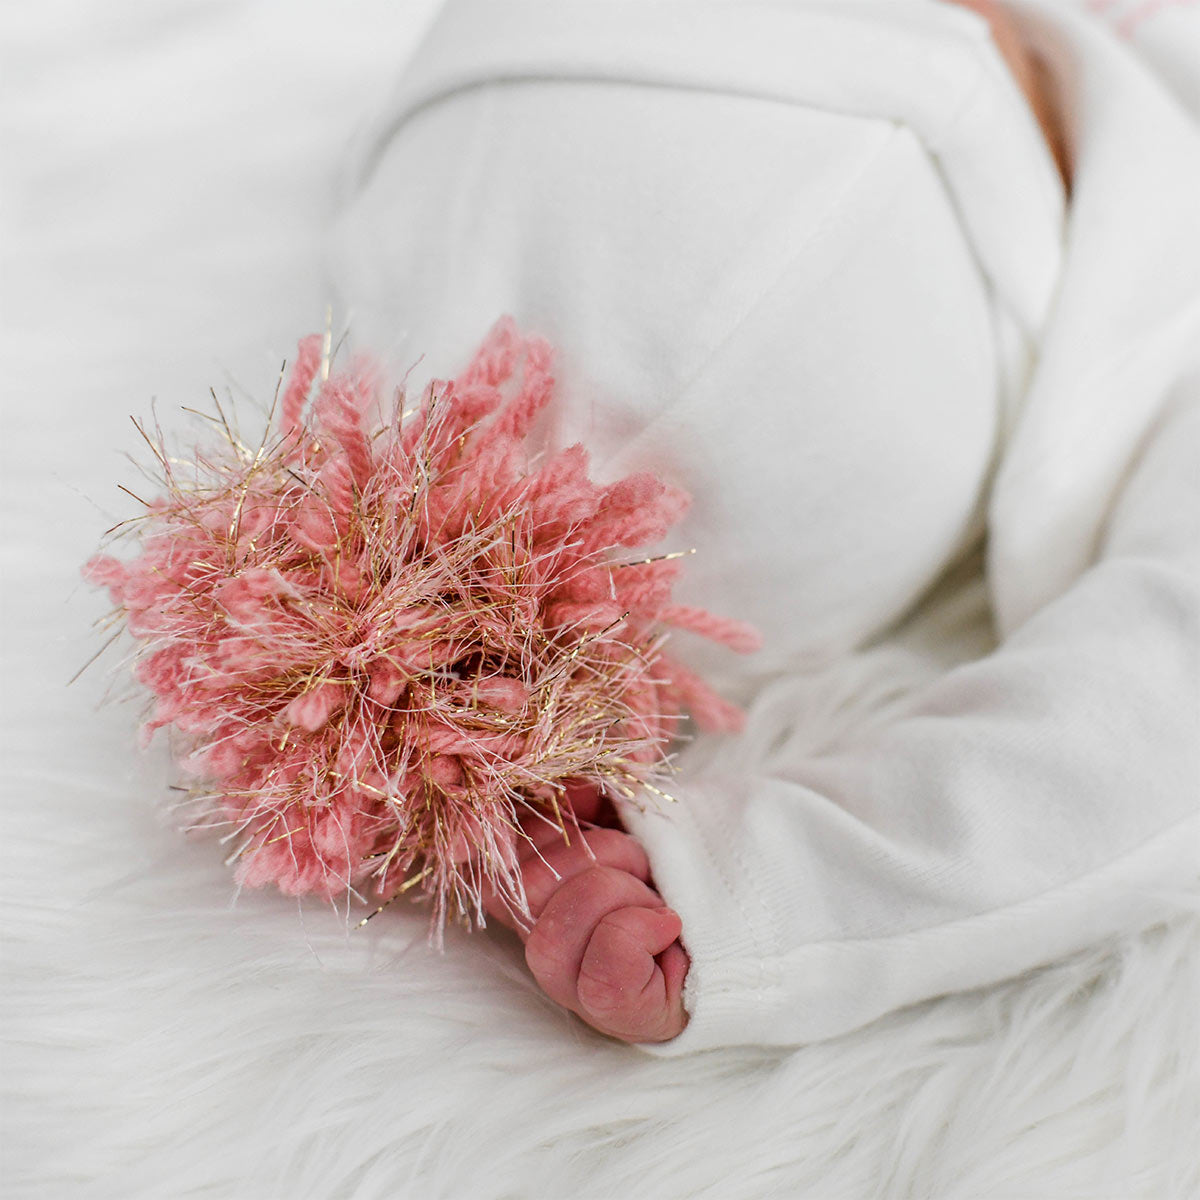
[382, 645]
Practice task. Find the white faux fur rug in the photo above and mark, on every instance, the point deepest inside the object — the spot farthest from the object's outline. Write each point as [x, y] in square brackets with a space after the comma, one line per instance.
[170, 1045]
[168, 166]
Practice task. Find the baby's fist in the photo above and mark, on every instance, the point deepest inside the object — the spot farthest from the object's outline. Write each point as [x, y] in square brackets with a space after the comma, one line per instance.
[603, 943]
[605, 947]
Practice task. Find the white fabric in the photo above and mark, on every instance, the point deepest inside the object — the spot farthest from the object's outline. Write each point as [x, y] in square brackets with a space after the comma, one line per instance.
[1166, 33]
[804, 281]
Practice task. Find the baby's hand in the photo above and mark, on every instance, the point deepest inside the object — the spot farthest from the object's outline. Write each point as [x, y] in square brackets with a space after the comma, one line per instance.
[603, 943]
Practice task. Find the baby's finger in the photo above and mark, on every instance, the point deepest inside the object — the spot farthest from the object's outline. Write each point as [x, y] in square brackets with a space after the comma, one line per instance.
[585, 800]
[594, 847]
[541, 832]
[623, 990]
[540, 838]
[545, 871]
[674, 963]
[499, 909]
[591, 806]
[556, 944]
[581, 805]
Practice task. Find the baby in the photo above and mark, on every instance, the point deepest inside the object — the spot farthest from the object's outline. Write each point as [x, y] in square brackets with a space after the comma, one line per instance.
[815, 263]
[604, 943]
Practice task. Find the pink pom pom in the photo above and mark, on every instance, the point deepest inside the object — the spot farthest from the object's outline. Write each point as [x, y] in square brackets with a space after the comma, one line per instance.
[381, 646]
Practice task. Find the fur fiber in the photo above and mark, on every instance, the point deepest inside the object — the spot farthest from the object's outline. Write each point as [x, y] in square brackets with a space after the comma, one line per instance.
[170, 165]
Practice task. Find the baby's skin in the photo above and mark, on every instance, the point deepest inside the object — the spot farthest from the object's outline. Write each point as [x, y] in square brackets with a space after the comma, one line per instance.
[603, 942]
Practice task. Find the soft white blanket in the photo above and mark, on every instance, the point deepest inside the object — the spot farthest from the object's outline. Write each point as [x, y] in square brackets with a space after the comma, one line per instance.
[168, 170]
